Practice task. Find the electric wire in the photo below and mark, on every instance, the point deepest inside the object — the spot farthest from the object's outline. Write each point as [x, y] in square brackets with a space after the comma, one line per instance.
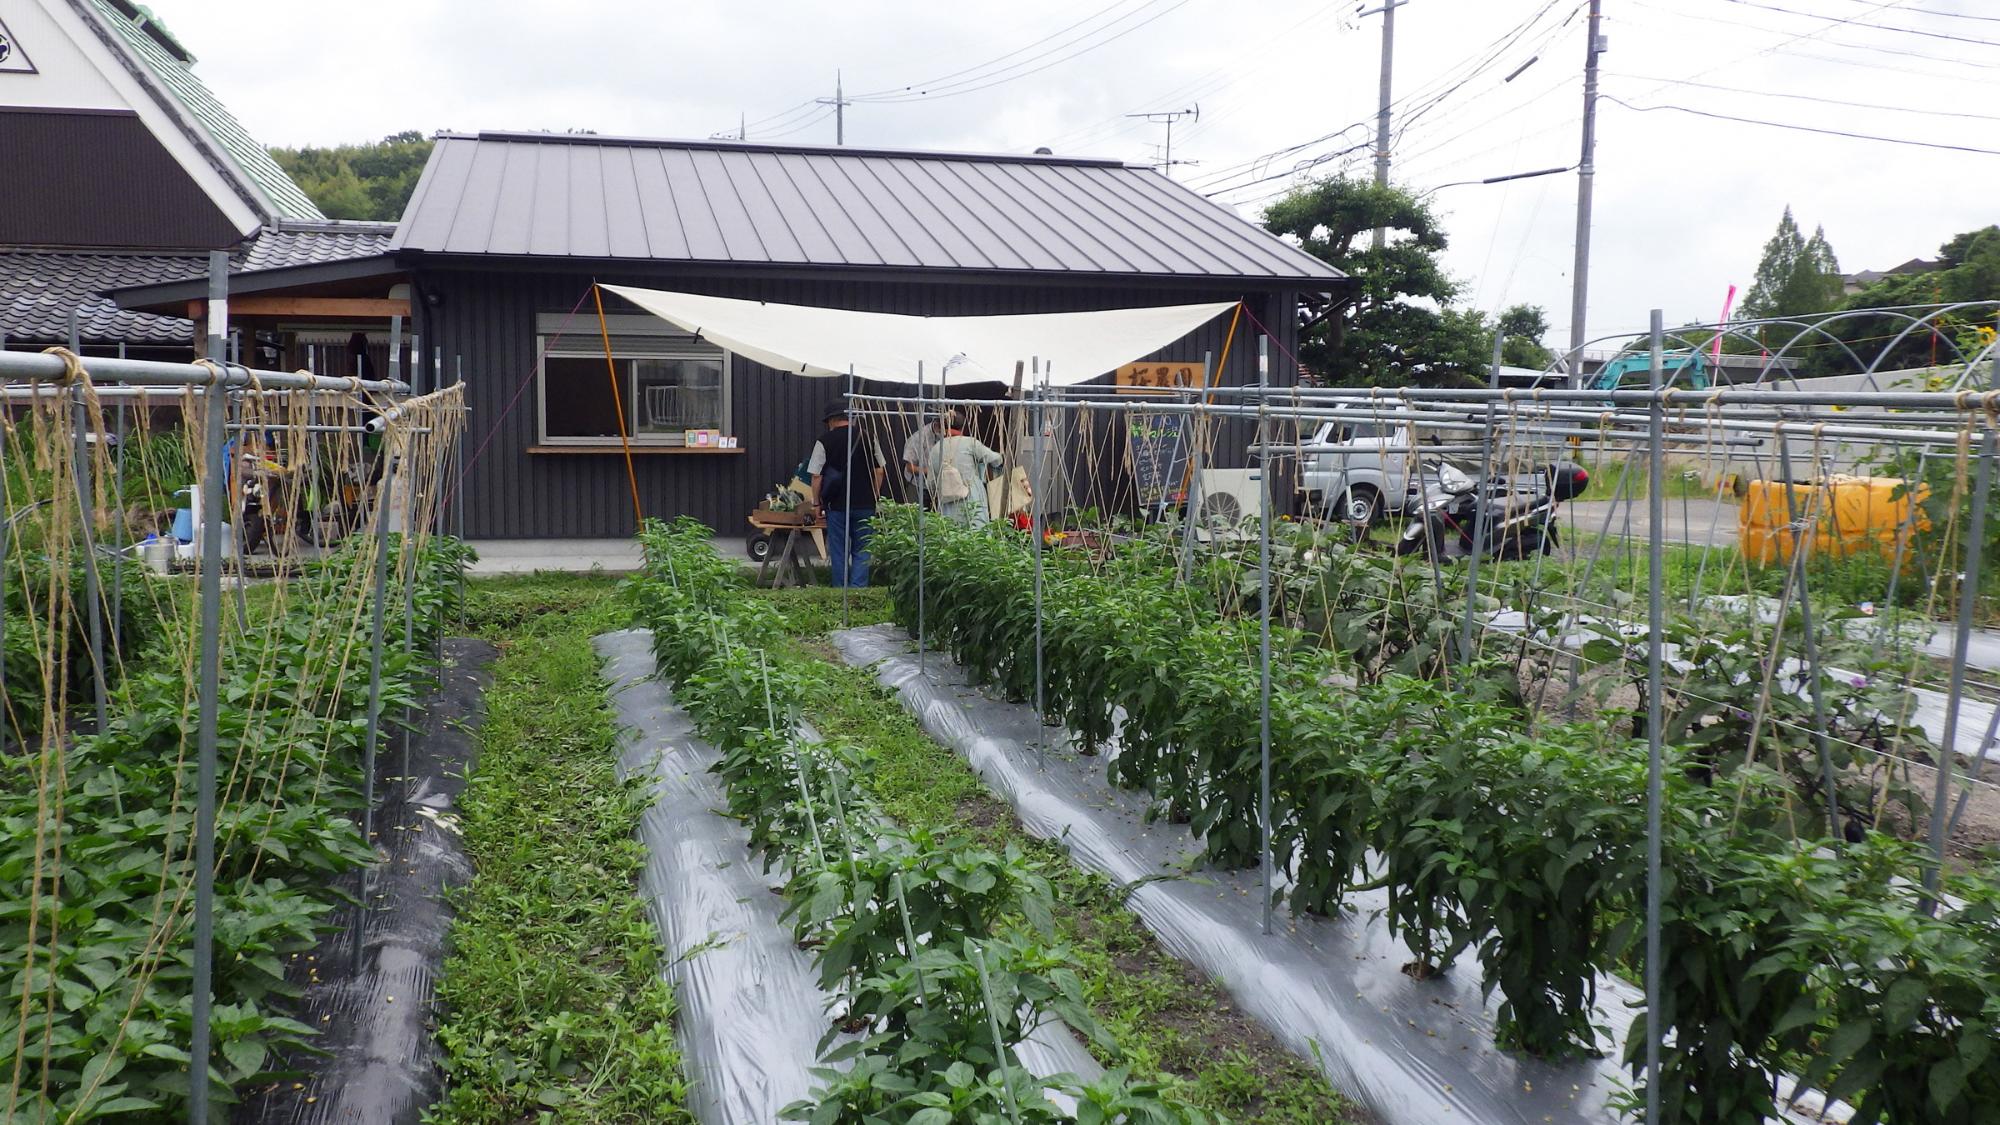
[1804, 128]
[1815, 98]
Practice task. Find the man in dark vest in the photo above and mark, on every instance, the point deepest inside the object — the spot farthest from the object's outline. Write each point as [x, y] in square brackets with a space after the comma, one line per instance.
[846, 473]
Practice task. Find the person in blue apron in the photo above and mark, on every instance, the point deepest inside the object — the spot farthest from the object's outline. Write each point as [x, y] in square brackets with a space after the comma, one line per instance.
[846, 470]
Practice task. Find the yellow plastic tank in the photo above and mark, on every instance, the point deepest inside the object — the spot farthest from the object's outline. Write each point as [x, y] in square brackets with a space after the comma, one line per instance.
[1848, 515]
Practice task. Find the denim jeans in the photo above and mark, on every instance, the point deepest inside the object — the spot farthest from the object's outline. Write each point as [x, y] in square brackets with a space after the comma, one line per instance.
[847, 535]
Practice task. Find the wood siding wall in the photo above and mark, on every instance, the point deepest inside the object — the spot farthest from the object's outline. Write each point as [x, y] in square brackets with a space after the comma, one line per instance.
[488, 319]
[99, 180]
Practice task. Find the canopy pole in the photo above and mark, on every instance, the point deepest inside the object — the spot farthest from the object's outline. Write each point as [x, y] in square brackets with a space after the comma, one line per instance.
[618, 403]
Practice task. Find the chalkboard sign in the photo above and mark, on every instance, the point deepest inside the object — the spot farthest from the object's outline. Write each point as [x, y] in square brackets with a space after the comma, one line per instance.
[1159, 449]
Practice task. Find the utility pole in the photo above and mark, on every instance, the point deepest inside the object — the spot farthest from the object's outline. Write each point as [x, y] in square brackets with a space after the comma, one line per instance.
[839, 103]
[1388, 10]
[1168, 118]
[1586, 176]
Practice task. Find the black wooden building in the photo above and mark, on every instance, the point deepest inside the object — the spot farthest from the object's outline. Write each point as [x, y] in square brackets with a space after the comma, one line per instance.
[507, 232]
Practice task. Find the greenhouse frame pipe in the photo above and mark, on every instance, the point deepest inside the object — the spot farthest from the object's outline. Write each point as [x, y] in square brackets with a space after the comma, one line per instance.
[1967, 402]
[846, 541]
[210, 676]
[45, 367]
[373, 732]
[118, 534]
[1801, 578]
[1803, 428]
[1038, 533]
[1264, 644]
[1656, 558]
[458, 476]
[1968, 596]
[1480, 519]
[923, 475]
[80, 469]
[1193, 498]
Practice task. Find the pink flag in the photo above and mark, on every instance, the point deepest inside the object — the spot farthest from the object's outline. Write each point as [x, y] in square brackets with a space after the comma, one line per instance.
[1728, 303]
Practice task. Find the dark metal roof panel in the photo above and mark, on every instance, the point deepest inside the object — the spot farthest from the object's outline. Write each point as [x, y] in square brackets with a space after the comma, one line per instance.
[592, 197]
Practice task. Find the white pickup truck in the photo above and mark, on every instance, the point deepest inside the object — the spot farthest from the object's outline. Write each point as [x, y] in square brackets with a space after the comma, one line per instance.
[1362, 468]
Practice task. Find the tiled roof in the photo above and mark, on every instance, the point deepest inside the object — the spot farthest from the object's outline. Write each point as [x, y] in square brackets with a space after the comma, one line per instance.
[310, 243]
[251, 163]
[38, 288]
[598, 197]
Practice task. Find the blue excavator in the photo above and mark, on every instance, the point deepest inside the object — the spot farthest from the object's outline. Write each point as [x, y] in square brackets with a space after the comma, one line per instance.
[1681, 370]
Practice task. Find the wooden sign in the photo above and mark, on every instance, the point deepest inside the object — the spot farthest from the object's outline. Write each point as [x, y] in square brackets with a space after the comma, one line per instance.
[1153, 378]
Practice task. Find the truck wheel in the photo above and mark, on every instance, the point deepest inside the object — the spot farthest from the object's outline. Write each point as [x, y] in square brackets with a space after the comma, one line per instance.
[1361, 506]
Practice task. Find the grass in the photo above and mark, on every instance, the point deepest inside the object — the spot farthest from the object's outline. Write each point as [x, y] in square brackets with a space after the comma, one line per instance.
[554, 1007]
[1606, 475]
[1166, 1017]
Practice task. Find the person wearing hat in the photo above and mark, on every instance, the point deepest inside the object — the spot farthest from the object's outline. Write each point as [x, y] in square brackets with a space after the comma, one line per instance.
[846, 478]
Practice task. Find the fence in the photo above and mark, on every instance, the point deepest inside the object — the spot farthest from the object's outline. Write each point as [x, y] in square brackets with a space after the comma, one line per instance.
[220, 584]
[1792, 733]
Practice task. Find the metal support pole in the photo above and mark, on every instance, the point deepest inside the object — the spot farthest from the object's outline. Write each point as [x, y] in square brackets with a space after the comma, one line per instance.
[1968, 598]
[458, 480]
[1194, 468]
[1264, 631]
[923, 475]
[210, 676]
[118, 531]
[1038, 528]
[395, 352]
[1586, 178]
[993, 1025]
[374, 728]
[846, 567]
[1801, 540]
[1656, 556]
[86, 516]
[1480, 520]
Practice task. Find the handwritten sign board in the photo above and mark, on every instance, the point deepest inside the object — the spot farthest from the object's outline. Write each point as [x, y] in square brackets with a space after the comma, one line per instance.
[1155, 378]
[1159, 449]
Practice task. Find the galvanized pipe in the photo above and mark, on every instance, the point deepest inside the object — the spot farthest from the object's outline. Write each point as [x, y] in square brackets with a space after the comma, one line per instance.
[213, 500]
[1656, 557]
[47, 368]
[1264, 645]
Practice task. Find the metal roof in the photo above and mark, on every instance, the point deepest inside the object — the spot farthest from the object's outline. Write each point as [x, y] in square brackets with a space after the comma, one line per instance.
[142, 40]
[561, 195]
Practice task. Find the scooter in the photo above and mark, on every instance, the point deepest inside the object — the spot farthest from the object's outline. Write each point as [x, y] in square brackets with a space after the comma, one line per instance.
[1519, 516]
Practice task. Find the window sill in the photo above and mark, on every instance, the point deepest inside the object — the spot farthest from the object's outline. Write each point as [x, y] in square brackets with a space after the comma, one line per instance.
[637, 449]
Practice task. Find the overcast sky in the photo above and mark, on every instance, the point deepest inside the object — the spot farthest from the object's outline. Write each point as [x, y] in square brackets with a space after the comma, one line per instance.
[1684, 203]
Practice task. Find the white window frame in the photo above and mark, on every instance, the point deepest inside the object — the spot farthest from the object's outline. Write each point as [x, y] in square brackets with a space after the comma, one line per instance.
[624, 351]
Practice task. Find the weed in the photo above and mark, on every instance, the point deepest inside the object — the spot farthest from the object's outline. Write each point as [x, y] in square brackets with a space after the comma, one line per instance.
[553, 1001]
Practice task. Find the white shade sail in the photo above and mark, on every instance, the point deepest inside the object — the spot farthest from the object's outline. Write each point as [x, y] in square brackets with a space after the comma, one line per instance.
[807, 340]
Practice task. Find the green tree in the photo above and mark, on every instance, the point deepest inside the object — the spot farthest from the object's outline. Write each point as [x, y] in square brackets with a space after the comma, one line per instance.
[1968, 270]
[1524, 326]
[1398, 328]
[359, 181]
[1796, 277]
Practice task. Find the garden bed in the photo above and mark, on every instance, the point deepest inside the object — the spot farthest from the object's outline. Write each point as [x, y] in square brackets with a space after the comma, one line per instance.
[1411, 1051]
[752, 1012]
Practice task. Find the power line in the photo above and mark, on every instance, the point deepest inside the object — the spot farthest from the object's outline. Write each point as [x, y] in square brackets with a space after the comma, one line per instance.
[1804, 128]
[1883, 26]
[1811, 98]
[1852, 21]
[1943, 13]
[974, 85]
[1017, 51]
